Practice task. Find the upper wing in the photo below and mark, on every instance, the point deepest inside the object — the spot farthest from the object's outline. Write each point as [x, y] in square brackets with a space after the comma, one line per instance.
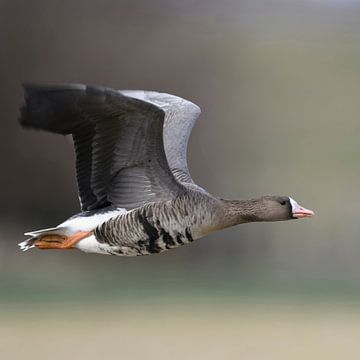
[120, 157]
[180, 117]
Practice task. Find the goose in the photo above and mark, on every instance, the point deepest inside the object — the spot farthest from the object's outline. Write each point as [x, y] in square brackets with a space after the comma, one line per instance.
[136, 194]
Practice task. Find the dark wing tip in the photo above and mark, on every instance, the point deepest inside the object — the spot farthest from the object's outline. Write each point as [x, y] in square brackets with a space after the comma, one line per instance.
[37, 87]
[59, 107]
[50, 106]
[33, 92]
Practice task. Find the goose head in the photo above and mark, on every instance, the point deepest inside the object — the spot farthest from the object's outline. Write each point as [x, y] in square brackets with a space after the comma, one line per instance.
[277, 208]
[265, 208]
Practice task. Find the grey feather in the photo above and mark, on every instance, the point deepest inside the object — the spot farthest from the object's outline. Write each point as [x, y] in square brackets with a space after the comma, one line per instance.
[180, 117]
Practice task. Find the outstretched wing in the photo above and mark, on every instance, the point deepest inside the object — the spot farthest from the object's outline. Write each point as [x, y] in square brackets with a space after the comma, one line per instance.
[120, 157]
[180, 117]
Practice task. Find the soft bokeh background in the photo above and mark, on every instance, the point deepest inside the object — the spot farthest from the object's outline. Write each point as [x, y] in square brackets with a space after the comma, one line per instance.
[278, 83]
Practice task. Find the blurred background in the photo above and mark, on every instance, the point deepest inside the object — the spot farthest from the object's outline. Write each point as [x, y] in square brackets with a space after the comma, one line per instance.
[278, 82]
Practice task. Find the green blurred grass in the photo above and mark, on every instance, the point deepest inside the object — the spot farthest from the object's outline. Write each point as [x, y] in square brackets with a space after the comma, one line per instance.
[190, 330]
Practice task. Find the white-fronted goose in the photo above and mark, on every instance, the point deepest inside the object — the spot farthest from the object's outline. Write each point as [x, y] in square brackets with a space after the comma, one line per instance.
[136, 194]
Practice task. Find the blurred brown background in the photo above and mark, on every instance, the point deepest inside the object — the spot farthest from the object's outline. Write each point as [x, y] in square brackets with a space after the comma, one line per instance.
[278, 83]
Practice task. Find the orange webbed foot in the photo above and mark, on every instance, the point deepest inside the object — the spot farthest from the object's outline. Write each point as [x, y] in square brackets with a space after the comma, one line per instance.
[61, 242]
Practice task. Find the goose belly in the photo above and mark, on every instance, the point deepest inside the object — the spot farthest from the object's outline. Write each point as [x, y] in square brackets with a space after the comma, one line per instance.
[92, 245]
[139, 233]
[149, 243]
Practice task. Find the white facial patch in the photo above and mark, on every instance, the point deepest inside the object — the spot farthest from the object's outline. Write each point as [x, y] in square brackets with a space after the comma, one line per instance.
[294, 204]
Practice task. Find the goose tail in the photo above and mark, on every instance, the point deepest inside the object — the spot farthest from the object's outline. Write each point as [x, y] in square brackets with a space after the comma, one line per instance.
[27, 244]
[34, 236]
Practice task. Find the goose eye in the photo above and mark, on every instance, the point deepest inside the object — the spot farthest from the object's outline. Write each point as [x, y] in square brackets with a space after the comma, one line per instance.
[283, 202]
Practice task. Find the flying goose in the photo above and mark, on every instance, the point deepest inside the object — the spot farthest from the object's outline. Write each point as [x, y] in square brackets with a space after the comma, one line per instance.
[135, 190]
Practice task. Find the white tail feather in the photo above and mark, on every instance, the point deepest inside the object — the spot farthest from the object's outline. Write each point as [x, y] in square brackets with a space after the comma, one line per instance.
[42, 232]
[27, 244]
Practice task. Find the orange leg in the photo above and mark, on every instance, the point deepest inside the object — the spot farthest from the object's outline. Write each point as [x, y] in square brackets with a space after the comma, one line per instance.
[52, 241]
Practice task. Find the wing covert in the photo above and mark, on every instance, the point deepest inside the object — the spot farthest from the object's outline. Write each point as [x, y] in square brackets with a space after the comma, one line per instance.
[180, 117]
